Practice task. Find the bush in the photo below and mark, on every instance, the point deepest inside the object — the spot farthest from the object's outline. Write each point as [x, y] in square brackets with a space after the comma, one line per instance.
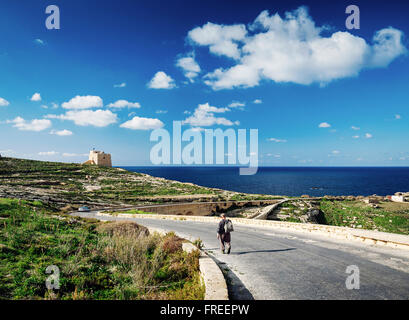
[123, 228]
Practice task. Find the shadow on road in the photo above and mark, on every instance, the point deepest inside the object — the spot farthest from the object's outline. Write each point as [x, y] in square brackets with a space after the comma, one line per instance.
[261, 251]
[236, 289]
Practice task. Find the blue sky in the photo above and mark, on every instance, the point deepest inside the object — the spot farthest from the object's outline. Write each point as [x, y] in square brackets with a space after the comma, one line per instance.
[319, 94]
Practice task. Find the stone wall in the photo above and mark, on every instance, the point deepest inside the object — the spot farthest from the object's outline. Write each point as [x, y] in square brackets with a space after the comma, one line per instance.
[204, 208]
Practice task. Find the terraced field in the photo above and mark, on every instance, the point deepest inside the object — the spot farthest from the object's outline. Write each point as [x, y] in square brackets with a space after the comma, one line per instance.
[65, 184]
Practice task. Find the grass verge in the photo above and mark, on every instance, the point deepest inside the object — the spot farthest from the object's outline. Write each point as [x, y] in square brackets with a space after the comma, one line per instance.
[389, 217]
[96, 260]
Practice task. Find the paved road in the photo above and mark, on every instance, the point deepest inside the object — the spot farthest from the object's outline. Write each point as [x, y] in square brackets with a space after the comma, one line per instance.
[268, 263]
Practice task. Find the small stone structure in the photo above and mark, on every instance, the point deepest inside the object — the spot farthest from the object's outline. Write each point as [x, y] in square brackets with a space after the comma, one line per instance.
[371, 200]
[99, 158]
[400, 197]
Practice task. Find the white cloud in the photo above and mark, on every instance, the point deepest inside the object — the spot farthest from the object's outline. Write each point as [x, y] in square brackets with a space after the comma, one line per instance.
[121, 85]
[324, 125]
[236, 104]
[277, 140]
[222, 40]
[161, 81]
[368, 135]
[190, 67]
[203, 116]
[387, 47]
[161, 111]
[138, 123]
[48, 153]
[8, 153]
[124, 104]
[97, 118]
[336, 152]
[39, 41]
[187, 112]
[83, 102]
[33, 125]
[257, 101]
[36, 97]
[293, 49]
[4, 102]
[398, 116]
[355, 128]
[355, 137]
[61, 133]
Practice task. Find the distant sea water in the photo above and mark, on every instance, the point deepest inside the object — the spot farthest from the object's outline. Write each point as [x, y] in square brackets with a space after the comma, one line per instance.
[292, 181]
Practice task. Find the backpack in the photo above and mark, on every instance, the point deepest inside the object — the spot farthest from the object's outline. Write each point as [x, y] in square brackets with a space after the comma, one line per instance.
[228, 226]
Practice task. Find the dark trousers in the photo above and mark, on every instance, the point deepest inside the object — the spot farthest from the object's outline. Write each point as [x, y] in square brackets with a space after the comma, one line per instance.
[225, 241]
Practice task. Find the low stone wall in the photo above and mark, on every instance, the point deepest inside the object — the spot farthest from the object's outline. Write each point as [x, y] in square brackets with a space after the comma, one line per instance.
[202, 208]
[366, 236]
[267, 210]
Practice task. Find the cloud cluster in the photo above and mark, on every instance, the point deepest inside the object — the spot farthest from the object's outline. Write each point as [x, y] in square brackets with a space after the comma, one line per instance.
[292, 49]
[39, 41]
[324, 125]
[124, 104]
[204, 116]
[237, 104]
[36, 97]
[62, 133]
[83, 102]
[221, 40]
[33, 125]
[3, 102]
[139, 123]
[190, 67]
[97, 118]
[161, 81]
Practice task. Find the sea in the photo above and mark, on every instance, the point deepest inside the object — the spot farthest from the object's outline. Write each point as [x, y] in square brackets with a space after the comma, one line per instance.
[292, 181]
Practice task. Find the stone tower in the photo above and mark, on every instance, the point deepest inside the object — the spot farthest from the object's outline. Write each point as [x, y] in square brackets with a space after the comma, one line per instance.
[99, 158]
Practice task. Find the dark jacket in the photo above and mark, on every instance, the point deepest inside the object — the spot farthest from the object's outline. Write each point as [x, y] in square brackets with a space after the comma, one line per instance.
[220, 229]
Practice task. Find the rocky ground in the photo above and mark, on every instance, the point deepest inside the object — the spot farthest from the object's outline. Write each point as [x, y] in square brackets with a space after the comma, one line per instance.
[353, 212]
[306, 211]
[63, 184]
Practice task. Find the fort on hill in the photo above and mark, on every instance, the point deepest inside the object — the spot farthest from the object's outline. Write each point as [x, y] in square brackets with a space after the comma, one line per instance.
[99, 158]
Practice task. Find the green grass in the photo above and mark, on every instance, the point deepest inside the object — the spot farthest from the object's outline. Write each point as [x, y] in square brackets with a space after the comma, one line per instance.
[356, 214]
[96, 260]
[249, 197]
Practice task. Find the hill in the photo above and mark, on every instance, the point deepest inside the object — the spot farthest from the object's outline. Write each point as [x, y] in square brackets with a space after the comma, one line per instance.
[62, 184]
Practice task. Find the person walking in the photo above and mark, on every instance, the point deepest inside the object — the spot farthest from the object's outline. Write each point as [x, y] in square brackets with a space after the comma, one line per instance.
[223, 233]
